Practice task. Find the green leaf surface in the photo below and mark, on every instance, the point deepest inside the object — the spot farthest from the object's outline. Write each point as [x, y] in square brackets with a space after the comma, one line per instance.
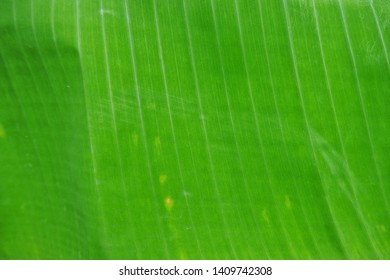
[194, 129]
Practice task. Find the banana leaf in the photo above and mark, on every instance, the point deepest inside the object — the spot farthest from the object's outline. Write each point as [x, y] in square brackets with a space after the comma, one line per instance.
[194, 129]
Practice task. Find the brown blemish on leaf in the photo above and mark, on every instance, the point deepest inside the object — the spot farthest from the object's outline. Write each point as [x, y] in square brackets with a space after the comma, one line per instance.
[168, 203]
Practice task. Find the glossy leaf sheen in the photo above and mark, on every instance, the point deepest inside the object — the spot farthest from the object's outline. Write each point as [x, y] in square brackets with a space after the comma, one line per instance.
[183, 129]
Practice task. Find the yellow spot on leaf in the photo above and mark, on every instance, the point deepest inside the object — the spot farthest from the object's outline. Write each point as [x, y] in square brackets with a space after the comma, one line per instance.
[287, 202]
[162, 179]
[135, 138]
[168, 203]
[2, 131]
[264, 213]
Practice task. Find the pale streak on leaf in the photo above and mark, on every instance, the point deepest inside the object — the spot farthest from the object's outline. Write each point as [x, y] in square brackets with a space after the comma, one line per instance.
[141, 117]
[362, 105]
[300, 92]
[380, 33]
[204, 128]
[92, 149]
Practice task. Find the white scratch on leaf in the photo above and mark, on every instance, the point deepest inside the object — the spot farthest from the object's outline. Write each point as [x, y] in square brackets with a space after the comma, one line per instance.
[102, 12]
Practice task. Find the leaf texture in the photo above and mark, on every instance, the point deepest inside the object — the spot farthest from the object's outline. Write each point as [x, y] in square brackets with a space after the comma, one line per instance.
[209, 129]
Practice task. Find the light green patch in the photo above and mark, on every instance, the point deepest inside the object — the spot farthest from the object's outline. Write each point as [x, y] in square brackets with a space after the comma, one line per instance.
[382, 228]
[157, 145]
[265, 216]
[2, 131]
[162, 179]
[151, 106]
[135, 138]
[287, 202]
[157, 142]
